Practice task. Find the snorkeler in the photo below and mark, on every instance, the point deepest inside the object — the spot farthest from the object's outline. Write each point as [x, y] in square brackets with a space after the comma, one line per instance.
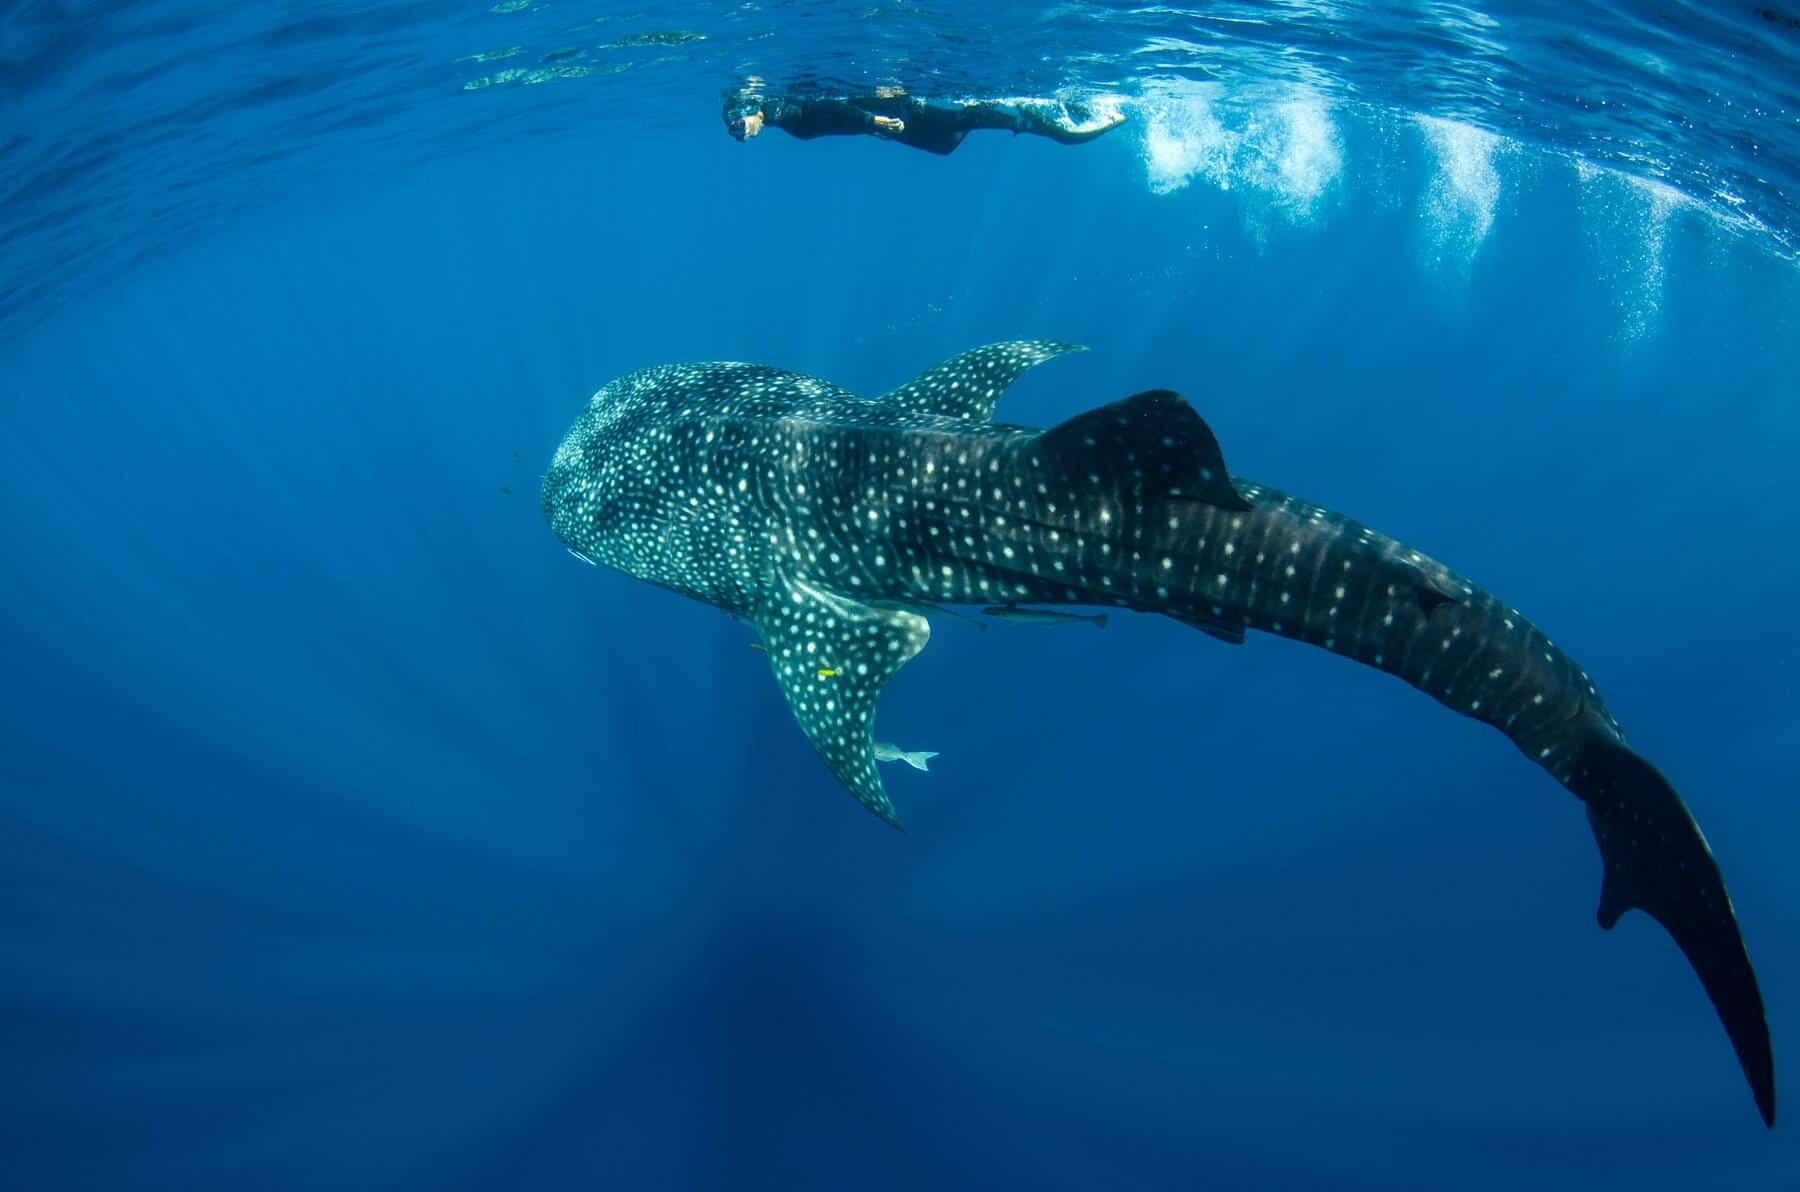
[934, 125]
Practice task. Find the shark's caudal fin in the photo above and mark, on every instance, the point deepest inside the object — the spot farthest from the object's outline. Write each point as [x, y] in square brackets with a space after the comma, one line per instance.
[1657, 861]
[969, 385]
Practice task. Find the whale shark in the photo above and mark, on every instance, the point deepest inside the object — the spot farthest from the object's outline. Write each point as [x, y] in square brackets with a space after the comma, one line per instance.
[832, 522]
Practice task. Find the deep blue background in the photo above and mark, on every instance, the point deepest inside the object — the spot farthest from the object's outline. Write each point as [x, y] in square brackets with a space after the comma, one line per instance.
[353, 835]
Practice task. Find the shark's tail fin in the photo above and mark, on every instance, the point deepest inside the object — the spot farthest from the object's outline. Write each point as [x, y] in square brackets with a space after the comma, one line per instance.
[1657, 861]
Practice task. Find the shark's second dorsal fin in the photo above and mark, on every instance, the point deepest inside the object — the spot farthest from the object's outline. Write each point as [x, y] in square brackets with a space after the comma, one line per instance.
[1154, 441]
[969, 385]
[832, 656]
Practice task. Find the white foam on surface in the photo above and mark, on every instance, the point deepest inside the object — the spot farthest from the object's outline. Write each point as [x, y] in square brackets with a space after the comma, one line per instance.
[1629, 221]
[1656, 202]
[1283, 154]
[1458, 205]
[1297, 155]
[1183, 137]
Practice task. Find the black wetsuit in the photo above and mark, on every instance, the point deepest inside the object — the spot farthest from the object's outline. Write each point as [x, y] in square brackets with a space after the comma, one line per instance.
[936, 126]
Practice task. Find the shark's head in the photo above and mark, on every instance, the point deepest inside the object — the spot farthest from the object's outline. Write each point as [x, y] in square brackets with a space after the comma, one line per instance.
[619, 489]
[590, 493]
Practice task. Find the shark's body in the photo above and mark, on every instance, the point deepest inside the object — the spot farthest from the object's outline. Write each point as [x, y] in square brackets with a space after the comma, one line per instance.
[827, 520]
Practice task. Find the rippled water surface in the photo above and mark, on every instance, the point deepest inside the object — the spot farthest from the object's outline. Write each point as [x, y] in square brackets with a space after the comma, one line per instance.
[134, 126]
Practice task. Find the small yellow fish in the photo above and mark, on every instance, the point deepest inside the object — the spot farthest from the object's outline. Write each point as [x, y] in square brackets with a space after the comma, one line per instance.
[826, 672]
[759, 646]
[505, 491]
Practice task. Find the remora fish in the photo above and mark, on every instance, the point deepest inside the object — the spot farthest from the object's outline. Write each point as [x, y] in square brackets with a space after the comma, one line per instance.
[822, 518]
[1039, 616]
[918, 759]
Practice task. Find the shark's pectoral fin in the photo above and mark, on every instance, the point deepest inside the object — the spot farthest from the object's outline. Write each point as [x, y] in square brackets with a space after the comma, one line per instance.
[1154, 442]
[969, 385]
[832, 656]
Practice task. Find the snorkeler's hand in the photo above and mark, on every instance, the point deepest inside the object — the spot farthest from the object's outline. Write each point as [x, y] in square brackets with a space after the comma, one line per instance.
[890, 126]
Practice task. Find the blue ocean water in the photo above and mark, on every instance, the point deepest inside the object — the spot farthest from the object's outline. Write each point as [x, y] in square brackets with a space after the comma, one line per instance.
[354, 836]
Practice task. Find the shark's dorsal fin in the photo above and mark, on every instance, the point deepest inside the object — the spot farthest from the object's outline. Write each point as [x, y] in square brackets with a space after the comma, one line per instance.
[968, 386]
[1154, 441]
[831, 657]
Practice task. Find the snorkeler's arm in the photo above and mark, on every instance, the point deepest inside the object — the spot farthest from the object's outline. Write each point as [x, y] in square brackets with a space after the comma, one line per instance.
[808, 118]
